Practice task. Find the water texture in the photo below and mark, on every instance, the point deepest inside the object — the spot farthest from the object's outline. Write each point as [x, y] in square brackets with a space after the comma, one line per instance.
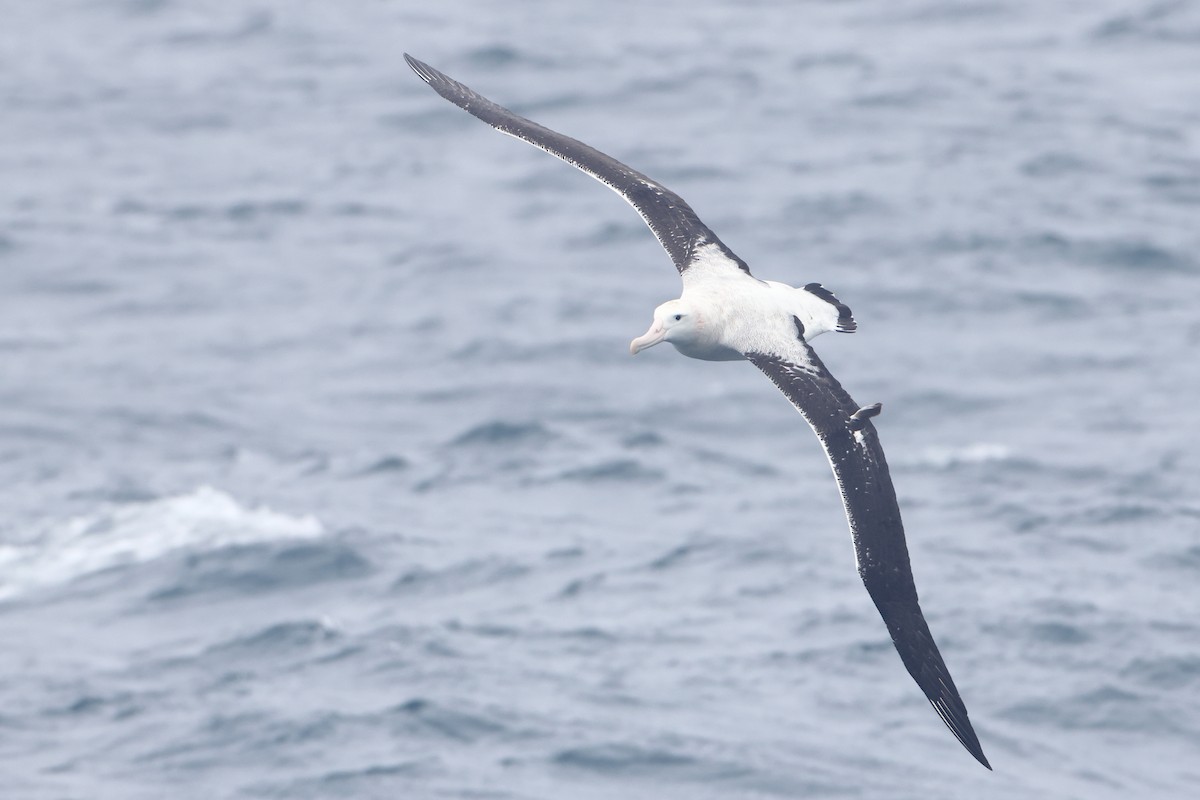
[326, 472]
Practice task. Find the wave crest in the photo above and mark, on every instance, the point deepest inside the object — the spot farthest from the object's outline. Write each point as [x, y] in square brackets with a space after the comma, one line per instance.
[120, 534]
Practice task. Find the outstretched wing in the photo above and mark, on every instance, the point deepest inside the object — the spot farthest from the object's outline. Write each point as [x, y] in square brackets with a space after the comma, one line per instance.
[853, 448]
[672, 220]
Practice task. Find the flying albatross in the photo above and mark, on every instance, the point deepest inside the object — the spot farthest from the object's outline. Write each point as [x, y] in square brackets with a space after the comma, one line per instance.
[726, 314]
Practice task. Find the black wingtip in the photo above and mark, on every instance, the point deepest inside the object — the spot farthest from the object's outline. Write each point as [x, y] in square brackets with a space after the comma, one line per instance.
[954, 714]
[914, 643]
[959, 723]
[423, 70]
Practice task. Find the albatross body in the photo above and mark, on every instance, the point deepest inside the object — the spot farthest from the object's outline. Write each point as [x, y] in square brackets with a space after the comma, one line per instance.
[726, 314]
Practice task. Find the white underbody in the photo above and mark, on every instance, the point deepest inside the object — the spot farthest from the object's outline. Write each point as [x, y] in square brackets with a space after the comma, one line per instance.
[737, 314]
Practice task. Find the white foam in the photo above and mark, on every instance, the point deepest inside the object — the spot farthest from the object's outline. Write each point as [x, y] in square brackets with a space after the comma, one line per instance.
[132, 533]
[945, 457]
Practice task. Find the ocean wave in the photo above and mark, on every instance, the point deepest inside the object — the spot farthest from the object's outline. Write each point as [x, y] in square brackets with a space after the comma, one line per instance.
[1162, 22]
[121, 534]
[621, 759]
[470, 574]
[1106, 707]
[250, 569]
[284, 637]
[504, 432]
[947, 457]
[422, 716]
[618, 469]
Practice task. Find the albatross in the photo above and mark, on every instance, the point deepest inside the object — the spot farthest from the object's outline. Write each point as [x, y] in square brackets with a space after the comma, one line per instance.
[726, 314]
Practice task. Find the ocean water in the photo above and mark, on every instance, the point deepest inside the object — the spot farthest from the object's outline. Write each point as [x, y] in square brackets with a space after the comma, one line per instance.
[325, 470]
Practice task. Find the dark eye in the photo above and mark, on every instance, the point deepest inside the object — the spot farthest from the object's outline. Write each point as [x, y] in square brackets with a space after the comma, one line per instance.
[678, 317]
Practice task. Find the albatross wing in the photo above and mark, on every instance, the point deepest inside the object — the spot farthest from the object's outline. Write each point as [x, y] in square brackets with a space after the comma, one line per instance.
[852, 445]
[679, 230]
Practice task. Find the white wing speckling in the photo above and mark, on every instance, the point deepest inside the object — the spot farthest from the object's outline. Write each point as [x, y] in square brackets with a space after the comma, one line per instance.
[852, 445]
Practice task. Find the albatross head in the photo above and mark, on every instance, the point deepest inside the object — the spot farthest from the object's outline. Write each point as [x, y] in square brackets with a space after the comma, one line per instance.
[673, 322]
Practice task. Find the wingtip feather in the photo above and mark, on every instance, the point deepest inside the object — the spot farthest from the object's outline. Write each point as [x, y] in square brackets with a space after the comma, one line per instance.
[423, 70]
[961, 728]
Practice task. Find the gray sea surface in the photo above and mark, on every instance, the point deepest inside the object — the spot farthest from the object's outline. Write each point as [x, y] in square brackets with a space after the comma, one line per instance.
[326, 473]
